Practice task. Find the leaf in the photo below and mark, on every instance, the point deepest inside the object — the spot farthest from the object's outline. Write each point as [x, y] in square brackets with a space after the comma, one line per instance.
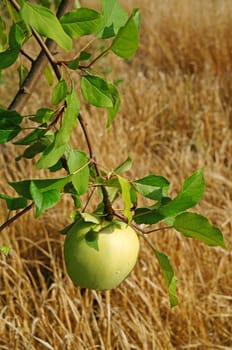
[124, 166]
[152, 186]
[59, 92]
[32, 150]
[54, 152]
[78, 164]
[51, 155]
[69, 119]
[43, 200]
[43, 115]
[5, 249]
[8, 57]
[112, 111]
[192, 191]
[127, 40]
[9, 125]
[169, 276]
[96, 91]
[84, 56]
[45, 23]
[18, 34]
[126, 187]
[16, 38]
[114, 17]
[14, 203]
[22, 71]
[32, 137]
[9, 118]
[82, 21]
[43, 185]
[147, 216]
[48, 73]
[197, 226]
[3, 36]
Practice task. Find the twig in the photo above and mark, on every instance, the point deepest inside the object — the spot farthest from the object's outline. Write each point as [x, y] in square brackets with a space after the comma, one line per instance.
[16, 216]
[107, 205]
[137, 228]
[38, 65]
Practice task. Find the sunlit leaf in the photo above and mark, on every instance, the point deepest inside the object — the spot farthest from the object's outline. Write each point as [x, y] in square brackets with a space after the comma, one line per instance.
[127, 40]
[197, 226]
[169, 276]
[114, 17]
[126, 187]
[152, 186]
[43, 200]
[192, 191]
[78, 166]
[59, 92]
[81, 21]
[96, 91]
[45, 23]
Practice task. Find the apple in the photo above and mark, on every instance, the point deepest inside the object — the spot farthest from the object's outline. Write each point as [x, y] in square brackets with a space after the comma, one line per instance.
[100, 256]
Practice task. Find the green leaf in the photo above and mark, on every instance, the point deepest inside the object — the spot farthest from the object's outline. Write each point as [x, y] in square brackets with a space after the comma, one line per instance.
[45, 23]
[114, 17]
[3, 36]
[9, 125]
[96, 91]
[82, 21]
[23, 72]
[59, 92]
[14, 203]
[43, 185]
[192, 191]
[126, 196]
[112, 111]
[127, 40]
[69, 119]
[8, 57]
[78, 166]
[169, 276]
[48, 73]
[147, 216]
[124, 166]
[84, 56]
[43, 200]
[51, 155]
[197, 226]
[32, 137]
[43, 115]
[9, 118]
[5, 249]
[17, 35]
[60, 145]
[32, 150]
[152, 186]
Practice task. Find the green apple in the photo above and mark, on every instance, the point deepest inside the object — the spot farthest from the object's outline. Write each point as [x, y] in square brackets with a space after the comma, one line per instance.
[100, 256]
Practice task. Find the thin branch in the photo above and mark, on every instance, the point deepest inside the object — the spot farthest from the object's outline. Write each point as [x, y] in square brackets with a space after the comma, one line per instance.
[107, 205]
[137, 228]
[26, 55]
[16, 216]
[38, 66]
[103, 53]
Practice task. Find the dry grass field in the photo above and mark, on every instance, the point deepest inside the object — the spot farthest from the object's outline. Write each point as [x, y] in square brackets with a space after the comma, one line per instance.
[176, 117]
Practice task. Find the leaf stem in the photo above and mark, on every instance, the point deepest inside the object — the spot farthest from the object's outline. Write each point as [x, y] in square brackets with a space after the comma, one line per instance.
[103, 53]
